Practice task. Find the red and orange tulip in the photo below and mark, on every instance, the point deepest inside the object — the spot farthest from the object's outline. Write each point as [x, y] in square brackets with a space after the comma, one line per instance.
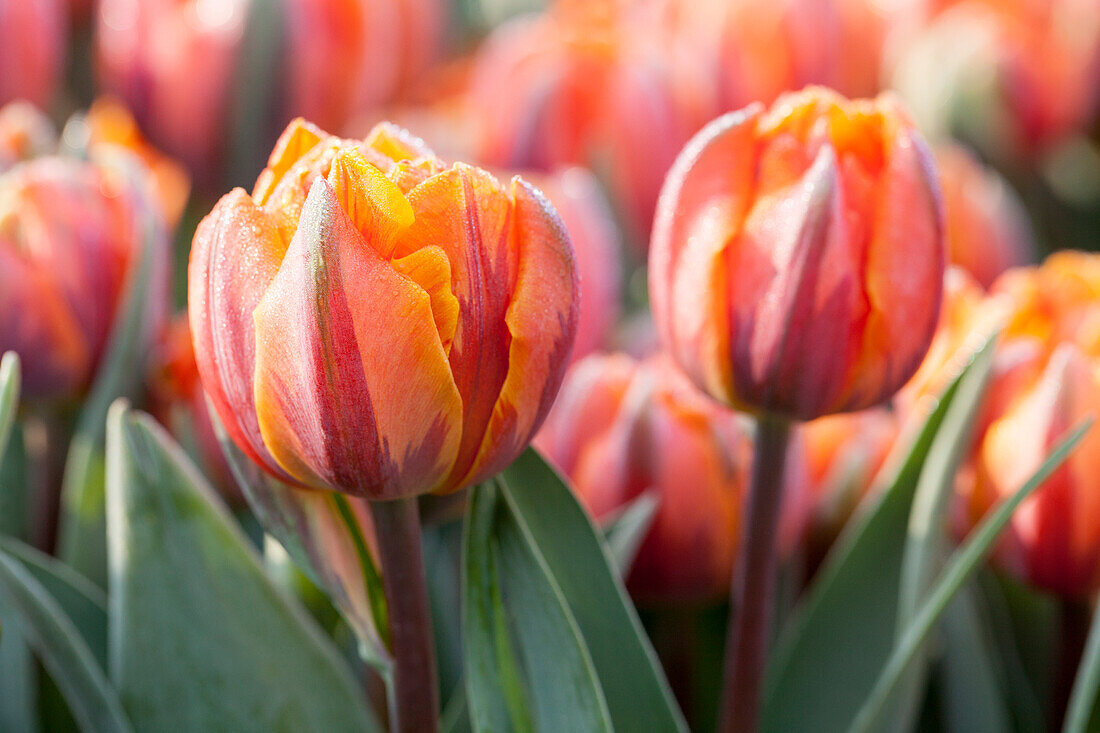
[589, 84]
[798, 256]
[25, 133]
[71, 232]
[374, 322]
[987, 227]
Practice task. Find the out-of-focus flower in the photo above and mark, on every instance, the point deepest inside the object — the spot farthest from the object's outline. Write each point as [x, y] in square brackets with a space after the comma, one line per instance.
[33, 38]
[843, 456]
[798, 255]
[178, 402]
[71, 232]
[767, 48]
[621, 428]
[584, 211]
[25, 133]
[589, 84]
[1011, 77]
[110, 123]
[180, 66]
[987, 227]
[374, 322]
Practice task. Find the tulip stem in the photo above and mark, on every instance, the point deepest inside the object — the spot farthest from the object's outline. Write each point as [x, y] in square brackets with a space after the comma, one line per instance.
[414, 694]
[753, 588]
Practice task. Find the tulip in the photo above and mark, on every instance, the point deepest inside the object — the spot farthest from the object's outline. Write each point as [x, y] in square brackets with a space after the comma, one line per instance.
[622, 428]
[429, 352]
[987, 228]
[25, 133]
[71, 232]
[178, 402]
[32, 49]
[797, 259]
[586, 84]
[767, 48]
[110, 123]
[373, 322]
[183, 67]
[1011, 77]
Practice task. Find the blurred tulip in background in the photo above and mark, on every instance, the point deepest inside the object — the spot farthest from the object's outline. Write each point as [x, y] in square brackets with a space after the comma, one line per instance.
[33, 38]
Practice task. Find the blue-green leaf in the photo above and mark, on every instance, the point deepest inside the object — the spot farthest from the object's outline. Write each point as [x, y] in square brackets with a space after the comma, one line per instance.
[200, 638]
[9, 395]
[624, 533]
[1086, 687]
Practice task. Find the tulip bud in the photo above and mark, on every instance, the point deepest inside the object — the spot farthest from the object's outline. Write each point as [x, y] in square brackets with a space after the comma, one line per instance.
[798, 257]
[585, 85]
[33, 38]
[987, 228]
[373, 322]
[71, 232]
[621, 428]
[1010, 77]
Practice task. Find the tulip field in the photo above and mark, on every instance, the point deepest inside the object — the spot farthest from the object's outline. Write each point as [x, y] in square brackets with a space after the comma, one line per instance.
[550, 366]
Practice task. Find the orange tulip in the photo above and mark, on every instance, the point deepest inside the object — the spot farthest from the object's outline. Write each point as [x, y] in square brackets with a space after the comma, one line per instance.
[109, 123]
[797, 259]
[33, 38]
[70, 233]
[987, 227]
[25, 133]
[1011, 76]
[590, 85]
[178, 64]
[374, 322]
[623, 427]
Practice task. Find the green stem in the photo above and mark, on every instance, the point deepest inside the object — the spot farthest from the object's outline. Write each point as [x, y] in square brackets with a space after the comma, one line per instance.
[753, 588]
[414, 694]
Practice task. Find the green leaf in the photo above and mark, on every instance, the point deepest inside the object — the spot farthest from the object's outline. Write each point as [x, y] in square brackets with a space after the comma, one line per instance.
[15, 499]
[82, 601]
[972, 695]
[927, 541]
[633, 683]
[18, 683]
[523, 646]
[1086, 686]
[325, 534]
[624, 533]
[200, 638]
[9, 395]
[959, 569]
[830, 653]
[82, 542]
[67, 658]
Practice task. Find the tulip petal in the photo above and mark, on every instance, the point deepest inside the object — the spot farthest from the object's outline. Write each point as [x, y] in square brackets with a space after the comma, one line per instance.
[374, 203]
[705, 198]
[235, 255]
[464, 212]
[297, 139]
[353, 388]
[539, 351]
[431, 270]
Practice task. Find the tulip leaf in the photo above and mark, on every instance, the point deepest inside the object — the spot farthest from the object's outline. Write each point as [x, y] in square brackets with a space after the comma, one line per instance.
[200, 638]
[624, 533]
[959, 569]
[927, 542]
[848, 620]
[972, 695]
[66, 656]
[527, 664]
[325, 535]
[633, 683]
[1086, 686]
[9, 395]
[82, 541]
[15, 499]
